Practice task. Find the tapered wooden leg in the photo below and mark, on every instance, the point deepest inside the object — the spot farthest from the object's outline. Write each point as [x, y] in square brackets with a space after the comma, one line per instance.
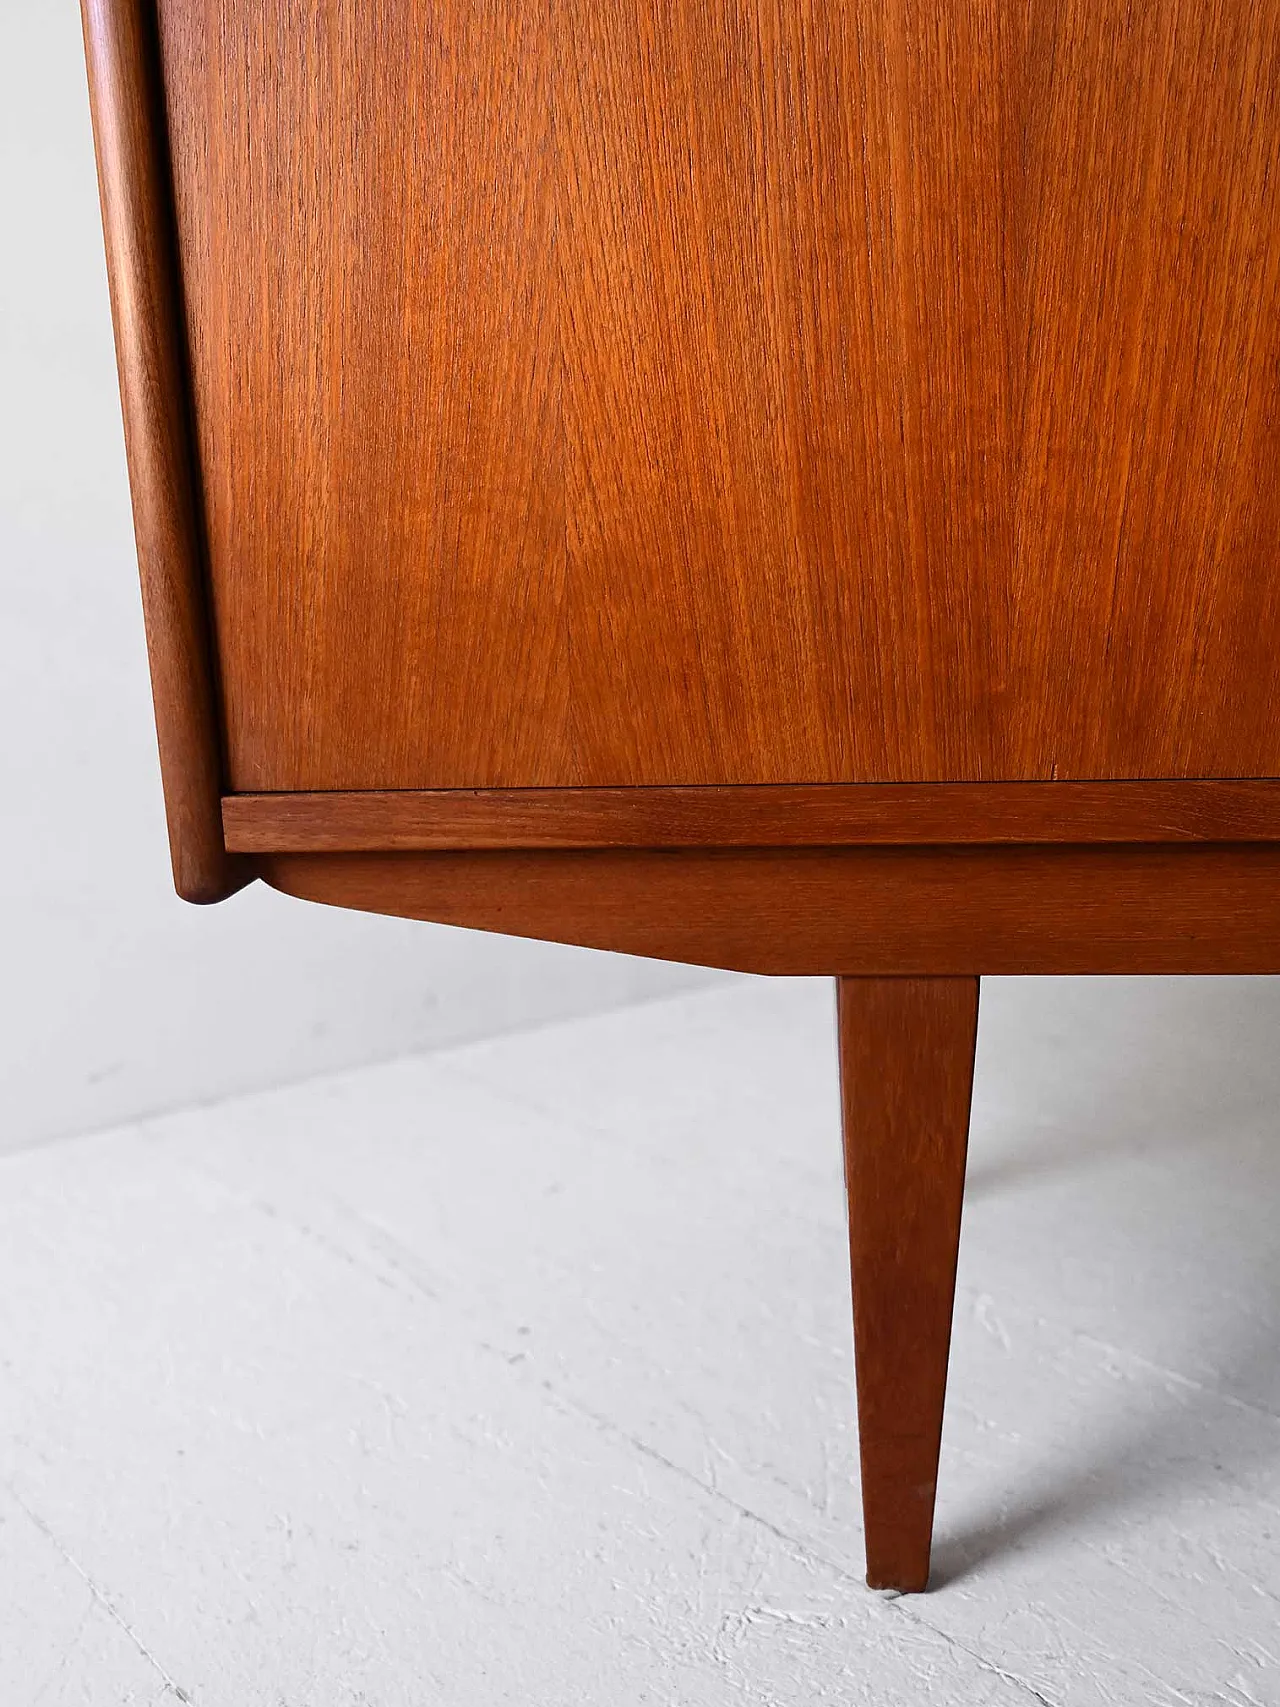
[906, 1074]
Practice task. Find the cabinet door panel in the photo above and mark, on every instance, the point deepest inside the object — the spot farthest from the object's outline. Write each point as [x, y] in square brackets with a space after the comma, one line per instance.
[723, 391]
[366, 226]
[1146, 581]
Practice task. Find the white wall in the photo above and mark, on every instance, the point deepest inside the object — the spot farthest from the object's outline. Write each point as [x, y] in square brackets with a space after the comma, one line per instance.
[115, 997]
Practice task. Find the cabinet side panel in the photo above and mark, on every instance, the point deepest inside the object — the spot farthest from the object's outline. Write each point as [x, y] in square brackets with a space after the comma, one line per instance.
[137, 219]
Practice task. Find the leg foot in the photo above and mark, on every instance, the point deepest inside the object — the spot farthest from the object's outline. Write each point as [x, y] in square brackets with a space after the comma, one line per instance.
[906, 1074]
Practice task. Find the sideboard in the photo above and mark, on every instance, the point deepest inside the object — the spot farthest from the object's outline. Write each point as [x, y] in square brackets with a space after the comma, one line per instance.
[790, 485]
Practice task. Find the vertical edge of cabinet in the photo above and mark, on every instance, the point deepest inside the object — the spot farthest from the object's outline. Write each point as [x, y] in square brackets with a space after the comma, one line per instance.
[121, 52]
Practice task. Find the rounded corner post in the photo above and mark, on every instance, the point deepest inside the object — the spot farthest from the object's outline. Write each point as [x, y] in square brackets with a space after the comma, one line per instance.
[121, 53]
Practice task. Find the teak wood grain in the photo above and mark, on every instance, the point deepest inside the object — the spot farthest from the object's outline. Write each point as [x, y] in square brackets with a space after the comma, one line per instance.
[869, 911]
[755, 391]
[825, 815]
[137, 219]
[906, 1078]
[364, 195]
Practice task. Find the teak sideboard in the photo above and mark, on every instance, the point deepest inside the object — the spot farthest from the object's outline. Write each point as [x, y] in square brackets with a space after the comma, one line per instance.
[780, 484]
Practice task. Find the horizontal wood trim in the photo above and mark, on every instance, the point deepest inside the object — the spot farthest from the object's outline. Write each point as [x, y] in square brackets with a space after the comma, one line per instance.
[869, 911]
[819, 815]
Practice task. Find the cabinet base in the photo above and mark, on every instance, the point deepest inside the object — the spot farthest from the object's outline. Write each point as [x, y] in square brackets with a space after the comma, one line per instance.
[955, 911]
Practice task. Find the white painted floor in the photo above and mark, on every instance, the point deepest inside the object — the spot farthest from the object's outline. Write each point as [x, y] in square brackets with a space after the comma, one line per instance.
[522, 1374]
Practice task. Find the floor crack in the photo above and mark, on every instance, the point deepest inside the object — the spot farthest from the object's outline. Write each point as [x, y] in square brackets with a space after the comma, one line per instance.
[102, 1599]
[802, 1549]
[978, 1659]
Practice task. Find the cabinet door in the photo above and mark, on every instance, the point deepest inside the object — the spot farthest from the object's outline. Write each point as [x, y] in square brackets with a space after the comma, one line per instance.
[716, 391]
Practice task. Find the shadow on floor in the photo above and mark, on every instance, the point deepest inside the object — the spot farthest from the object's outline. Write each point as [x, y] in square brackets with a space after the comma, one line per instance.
[1192, 1079]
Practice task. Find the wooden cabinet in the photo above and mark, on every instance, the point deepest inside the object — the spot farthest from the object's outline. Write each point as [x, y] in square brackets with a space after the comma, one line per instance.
[791, 484]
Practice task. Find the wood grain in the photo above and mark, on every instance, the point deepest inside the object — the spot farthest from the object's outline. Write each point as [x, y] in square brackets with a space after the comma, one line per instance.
[737, 391]
[772, 534]
[367, 232]
[865, 911]
[828, 815]
[1147, 569]
[906, 1078]
[137, 223]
